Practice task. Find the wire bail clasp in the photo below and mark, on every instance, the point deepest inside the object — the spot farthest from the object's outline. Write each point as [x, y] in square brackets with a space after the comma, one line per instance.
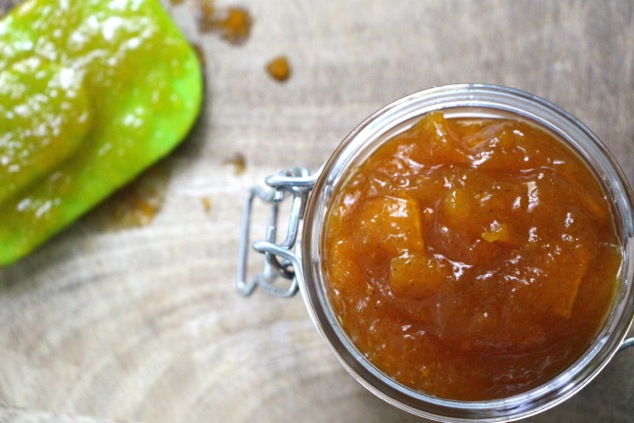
[280, 259]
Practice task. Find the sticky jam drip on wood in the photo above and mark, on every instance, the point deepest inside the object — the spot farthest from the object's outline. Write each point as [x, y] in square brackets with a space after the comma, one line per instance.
[472, 259]
[135, 205]
[232, 23]
[239, 163]
[279, 68]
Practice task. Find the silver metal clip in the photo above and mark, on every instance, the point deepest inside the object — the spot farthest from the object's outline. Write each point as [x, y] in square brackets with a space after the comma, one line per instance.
[281, 259]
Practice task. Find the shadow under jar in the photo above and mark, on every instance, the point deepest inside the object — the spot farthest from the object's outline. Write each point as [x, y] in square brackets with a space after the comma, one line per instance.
[466, 252]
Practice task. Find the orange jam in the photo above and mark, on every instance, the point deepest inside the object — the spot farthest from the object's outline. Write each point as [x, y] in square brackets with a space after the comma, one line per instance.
[471, 259]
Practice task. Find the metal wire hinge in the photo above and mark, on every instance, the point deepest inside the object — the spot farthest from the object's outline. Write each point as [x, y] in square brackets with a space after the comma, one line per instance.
[281, 261]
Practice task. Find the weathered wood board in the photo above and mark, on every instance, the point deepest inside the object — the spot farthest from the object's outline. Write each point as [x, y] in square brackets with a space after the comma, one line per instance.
[145, 324]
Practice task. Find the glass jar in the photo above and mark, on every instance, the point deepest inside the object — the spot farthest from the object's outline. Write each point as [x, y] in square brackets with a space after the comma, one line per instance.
[300, 262]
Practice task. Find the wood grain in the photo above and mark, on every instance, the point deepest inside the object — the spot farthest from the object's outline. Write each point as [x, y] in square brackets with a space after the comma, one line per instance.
[145, 324]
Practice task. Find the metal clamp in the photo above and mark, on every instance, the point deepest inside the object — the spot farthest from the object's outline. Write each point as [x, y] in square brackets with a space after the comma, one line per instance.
[627, 343]
[281, 261]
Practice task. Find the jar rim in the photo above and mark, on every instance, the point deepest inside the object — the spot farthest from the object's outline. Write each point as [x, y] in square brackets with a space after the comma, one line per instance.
[393, 118]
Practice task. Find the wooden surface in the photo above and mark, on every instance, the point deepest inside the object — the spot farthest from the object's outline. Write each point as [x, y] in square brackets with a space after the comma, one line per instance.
[145, 324]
